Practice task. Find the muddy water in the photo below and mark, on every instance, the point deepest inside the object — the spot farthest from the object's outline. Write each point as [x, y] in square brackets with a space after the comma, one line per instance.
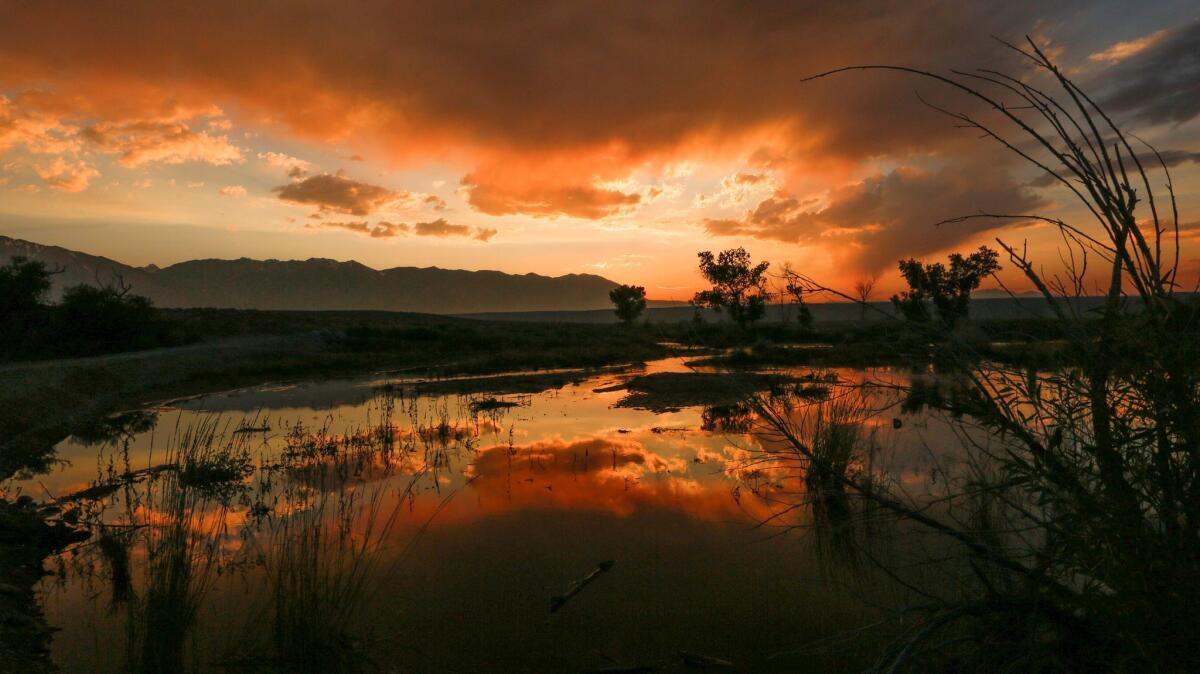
[446, 531]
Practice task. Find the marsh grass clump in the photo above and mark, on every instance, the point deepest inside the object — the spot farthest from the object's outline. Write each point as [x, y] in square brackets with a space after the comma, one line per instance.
[320, 551]
[215, 471]
[732, 418]
[182, 528]
[210, 458]
[166, 611]
[305, 445]
[841, 450]
[814, 391]
[491, 405]
[114, 547]
[672, 391]
[825, 480]
[314, 587]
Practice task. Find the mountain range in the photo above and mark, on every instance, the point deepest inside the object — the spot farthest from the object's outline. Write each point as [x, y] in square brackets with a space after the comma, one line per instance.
[321, 284]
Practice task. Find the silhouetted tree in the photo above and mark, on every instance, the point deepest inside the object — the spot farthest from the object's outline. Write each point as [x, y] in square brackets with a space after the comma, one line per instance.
[738, 285]
[862, 291]
[88, 320]
[91, 320]
[947, 290]
[23, 287]
[629, 302]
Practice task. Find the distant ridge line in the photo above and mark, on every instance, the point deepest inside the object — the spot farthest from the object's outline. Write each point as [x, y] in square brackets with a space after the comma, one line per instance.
[322, 284]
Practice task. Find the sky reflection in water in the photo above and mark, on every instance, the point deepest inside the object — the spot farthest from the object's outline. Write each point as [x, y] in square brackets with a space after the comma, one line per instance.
[497, 512]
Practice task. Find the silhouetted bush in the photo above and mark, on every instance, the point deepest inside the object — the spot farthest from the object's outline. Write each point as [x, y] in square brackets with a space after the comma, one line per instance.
[91, 320]
[88, 320]
[23, 313]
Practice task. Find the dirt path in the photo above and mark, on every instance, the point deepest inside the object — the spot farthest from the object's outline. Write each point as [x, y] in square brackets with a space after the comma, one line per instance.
[230, 344]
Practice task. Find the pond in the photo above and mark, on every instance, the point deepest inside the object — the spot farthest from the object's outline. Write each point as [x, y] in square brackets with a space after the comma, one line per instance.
[495, 524]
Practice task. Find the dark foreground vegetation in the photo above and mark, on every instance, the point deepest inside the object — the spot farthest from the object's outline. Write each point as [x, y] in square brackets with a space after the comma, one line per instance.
[1066, 535]
[87, 320]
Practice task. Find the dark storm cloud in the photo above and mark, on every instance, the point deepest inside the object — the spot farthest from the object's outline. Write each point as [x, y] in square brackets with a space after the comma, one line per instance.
[1160, 84]
[519, 77]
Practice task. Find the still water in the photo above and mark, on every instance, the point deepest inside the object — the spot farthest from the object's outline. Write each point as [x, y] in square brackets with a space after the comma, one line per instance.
[386, 528]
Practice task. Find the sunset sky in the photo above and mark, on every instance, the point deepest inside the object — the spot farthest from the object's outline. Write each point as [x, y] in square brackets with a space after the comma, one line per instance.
[616, 138]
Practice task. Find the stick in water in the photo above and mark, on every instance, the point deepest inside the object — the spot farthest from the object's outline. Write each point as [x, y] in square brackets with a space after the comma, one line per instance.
[577, 587]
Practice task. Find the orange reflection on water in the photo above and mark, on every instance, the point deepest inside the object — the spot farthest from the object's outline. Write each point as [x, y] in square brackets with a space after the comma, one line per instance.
[613, 475]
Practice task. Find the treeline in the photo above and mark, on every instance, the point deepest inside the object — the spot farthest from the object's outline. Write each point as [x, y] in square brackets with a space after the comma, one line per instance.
[86, 321]
[938, 296]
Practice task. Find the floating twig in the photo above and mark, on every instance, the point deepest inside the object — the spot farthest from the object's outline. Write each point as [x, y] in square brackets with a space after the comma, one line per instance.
[577, 587]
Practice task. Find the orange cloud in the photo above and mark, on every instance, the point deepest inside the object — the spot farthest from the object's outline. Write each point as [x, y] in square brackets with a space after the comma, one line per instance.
[383, 230]
[146, 142]
[338, 194]
[65, 175]
[748, 178]
[386, 230]
[616, 476]
[43, 123]
[441, 228]
[398, 78]
[1123, 50]
[887, 216]
[38, 130]
[295, 168]
[577, 201]
[738, 188]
